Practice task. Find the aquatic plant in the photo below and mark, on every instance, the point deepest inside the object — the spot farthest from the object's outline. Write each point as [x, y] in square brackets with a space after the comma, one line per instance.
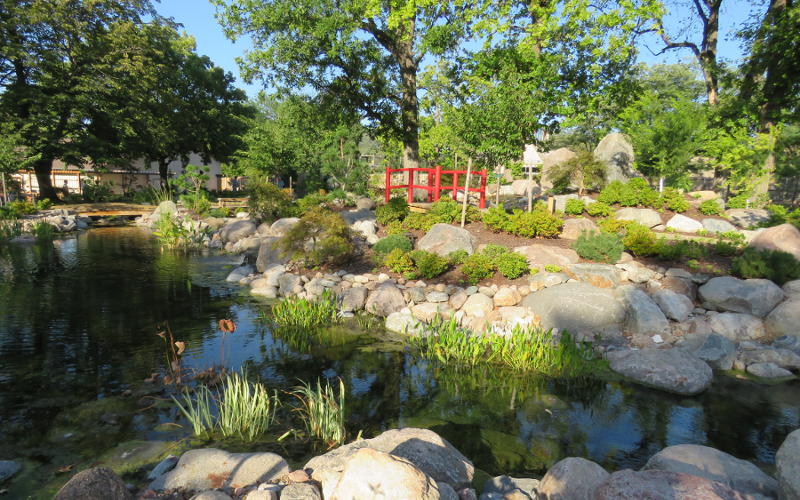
[246, 410]
[177, 233]
[43, 230]
[294, 312]
[197, 410]
[525, 349]
[322, 411]
[10, 229]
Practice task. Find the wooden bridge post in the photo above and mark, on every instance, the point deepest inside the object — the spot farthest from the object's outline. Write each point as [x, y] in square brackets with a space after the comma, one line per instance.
[388, 183]
[482, 203]
[437, 183]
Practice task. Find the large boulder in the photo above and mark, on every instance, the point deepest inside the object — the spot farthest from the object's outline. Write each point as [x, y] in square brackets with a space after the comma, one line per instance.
[672, 370]
[370, 474]
[644, 216]
[237, 230]
[718, 225]
[784, 319]
[785, 238]
[710, 463]
[747, 217]
[97, 483]
[578, 307]
[425, 449]
[520, 187]
[478, 305]
[663, 485]
[792, 289]
[385, 299]
[551, 159]
[442, 239]
[599, 275]
[209, 468]
[269, 253]
[573, 228]
[714, 349]
[684, 224]
[616, 151]
[539, 255]
[404, 323]
[282, 226]
[787, 466]
[676, 306]
[768, 370]
[737, 327]
[754, 296]
[644, 317]
[572, 478]
[353, 216]
[353, 299]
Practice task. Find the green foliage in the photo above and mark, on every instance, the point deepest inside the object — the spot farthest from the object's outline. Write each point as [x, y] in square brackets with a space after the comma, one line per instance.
[477, 267]
[496, 218]
[43, 230]
[9, 229]
[614, 225]
[396, 210]
[220, 212]
[399, 262]
[584, 171]
[680, 250]
[672, 199]
[710, 207]
[511, 264]
[389, 243]
[175, 232]
[429, 265]
[448, 211]
[320, 237]
[636, 192]
[16, 209]
[552, 268]
[537, 223]
[311, 201]
[395, 227]
[323, 412]
[197, 409]
[738, 201]
[599, 247]
[457, 257]
[493, 251]
[96, 191]
[774, 265]
[267, 202]
[45, 204]
[196, 202]
[598, 209]
[303, 314]
[574, 207]
[639, 239]
[419, 221]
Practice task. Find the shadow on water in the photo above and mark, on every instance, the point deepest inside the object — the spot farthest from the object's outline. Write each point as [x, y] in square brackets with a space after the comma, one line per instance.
[78, 319]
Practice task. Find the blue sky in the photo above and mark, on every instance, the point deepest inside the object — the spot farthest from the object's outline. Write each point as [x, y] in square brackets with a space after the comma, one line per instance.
[197, 18]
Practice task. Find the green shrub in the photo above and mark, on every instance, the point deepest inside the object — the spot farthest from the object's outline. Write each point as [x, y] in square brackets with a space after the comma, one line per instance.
[267, 202]
[538, 223]
[429, 265]
[95, 191]
[613, 225]
[395, 227]
[396, 209]
[399, 262]
[726, 248]
[311, 201]
[511, 264]
[386, 245]
[43, 230]
[196, 202]
[734, 237]
[583, 171]
[220, 212]
[552, 268]
[738, 201]
[710, 207]
[574, 207]
[448, 211]
[599, 247]
[493, 251]
[496, 218]
[774, 265]
[457, 257]
[477, 267]
[612, 193]
[45, 204]
[640, 240]
[419, 221]
[320, 237]
[778, 214]
[598, 209]
[672, 199]
[17, 209]
[680, 250]
[636, 192]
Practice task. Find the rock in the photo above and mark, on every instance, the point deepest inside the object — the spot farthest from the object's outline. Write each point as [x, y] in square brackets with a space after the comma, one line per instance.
[663, 485]
[478, 305]
[8, 468]
[644, 216]
[385, 299]
[442, 239]
[212, 495]
[520, 187]
[784, 319]
[747, 217]
[429, 311]
[787, 467]
[370, 473]
[282, 226]
[506, 484]
[437, 297]
[673, 370]
[546, 280]
[701, 196]
[551, 159]
[684, 224]
[163, 467]
[577, 307]
[572, 478]
[785, 358]
[239, 273]
[208, 468]
[265, 491]
[353, 299]
[250, 245]
[599, 275]
[644, 317]
[637, 273]
[97, 483]
[709, 463]
[767, 370]
[404, 323]
[423, 448]
[542, 255]
[287, 282]
[353, 216]
[506, 297]
[458, 299]
[365, 203]
[718, 226]
[792, 289]
[680, 285]
[616, 151]
[237, 230]
[714, 349]
[574, 227]
[675, 306]
[300, 491]
[737, 327]
[753, 296]
[784, 237]
[366, 228]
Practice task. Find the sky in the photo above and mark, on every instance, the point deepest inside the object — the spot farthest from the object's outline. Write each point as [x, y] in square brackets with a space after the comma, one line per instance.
[197, 18]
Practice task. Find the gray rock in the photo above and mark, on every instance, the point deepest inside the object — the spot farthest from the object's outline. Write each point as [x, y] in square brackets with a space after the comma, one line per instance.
[353, 299]
[458, 299]
[404, 323]
[784, 319]
[663, 485]
[767, 370]
[616, 151]
[287, 282]
[437, 297]
[442, 239]
[718, 226]
[212, 495]
[784, 358]
[783, 238]
[429, 311]
[572, 478]
[369, 473]
[540, 255]
[637, 273]
[599, 275]
[747, 217]
[684, 224]
[163, 467]
[644, 317]
[737, 327]
[506, 484]
[709, 463]
[269, 253]
[673, 370]
[792, 288]
[385, 299]
[753, 296]
[478, 305]
[573, 228]
[301, 491]
[353, 216]
[578, 307]
[520, 187]
[237, 230]
[8, 468]
[676, 306]
[199, 470]
[282, 226]
[714, 349]
[644, 216]
[546, 280]
[365, 203]
[240, 272]
[416, 294]
[97, 483]
[787, 465]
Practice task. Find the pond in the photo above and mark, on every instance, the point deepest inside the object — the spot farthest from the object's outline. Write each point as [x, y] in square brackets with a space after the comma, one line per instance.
[79, 319]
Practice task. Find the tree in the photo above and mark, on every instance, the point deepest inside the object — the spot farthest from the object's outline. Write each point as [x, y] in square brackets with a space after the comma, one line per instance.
[13, 156]
[365, 54]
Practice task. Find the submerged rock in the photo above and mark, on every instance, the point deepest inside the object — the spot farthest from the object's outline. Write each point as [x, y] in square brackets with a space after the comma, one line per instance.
[8, 468]
[97, 483]
[673, 370]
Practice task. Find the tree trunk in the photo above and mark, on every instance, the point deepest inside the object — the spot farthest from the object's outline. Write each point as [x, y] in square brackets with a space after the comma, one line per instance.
[409, 107]
[44, 169]
[163, 172]
[708, 51]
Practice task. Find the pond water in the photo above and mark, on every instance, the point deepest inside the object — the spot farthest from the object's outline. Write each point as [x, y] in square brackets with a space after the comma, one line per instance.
[78, 324]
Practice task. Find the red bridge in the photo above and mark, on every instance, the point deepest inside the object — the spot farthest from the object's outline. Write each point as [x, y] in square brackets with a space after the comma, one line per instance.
[435, 187]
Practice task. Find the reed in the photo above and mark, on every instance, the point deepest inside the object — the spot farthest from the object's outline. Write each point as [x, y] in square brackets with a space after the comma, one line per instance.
[43, 230]
[197, 410]
[246, 410]
[300, 313]
[10, 229]
[323, 412]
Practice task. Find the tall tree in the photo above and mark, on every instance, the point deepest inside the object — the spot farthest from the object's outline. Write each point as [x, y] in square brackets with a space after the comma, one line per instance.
[367, 53]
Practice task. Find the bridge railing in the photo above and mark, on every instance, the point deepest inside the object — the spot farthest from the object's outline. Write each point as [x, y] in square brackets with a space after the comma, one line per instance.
[434, 185]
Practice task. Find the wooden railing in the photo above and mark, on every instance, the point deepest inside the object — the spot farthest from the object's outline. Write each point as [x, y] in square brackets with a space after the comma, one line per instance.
[434, 186]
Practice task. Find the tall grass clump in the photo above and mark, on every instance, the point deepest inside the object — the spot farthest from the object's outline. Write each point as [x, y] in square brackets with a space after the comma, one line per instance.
[10, 229]
[295, 312]
[197, 408]
[525, 349]
[323, 412]
[43, 230]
